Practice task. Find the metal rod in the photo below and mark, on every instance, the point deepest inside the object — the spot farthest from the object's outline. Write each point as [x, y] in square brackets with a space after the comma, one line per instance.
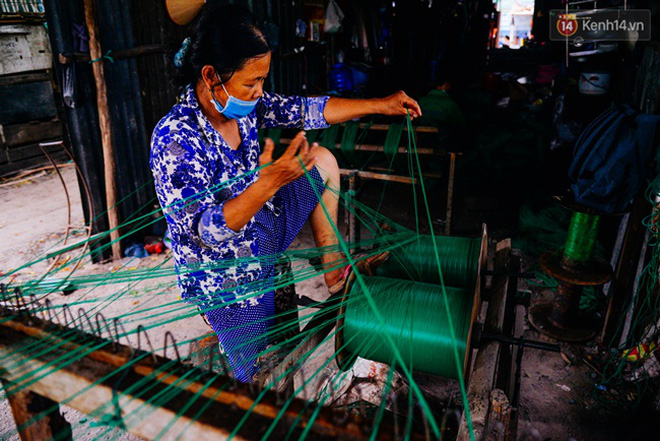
[525, 275]
[521, 342]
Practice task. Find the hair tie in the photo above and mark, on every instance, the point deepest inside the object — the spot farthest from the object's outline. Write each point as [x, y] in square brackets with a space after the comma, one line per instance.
[181, 54]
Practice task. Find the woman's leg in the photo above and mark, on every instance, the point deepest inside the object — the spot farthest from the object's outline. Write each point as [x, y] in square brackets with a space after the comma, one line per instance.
[322, 223]
[243, 333]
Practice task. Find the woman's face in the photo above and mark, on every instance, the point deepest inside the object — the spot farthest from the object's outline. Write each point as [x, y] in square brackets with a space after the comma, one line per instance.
[247, 83]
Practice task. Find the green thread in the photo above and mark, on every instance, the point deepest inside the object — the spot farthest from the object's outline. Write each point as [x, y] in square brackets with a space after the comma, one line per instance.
[414, 317]
[582, 235]
[105, 56]
[348, 141]
[459, 261]
[392, 140]
[329, 137]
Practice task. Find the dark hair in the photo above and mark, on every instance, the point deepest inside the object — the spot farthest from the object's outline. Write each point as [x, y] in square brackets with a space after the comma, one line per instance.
[223, 36]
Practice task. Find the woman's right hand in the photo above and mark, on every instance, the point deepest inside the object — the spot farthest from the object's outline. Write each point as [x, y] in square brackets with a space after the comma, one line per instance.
[288, 167]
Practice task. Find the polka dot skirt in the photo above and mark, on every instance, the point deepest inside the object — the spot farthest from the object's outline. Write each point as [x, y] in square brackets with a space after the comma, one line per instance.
[243, 330]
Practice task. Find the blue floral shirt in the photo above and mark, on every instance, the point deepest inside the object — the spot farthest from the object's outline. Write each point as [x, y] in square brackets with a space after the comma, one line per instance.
[196, 172]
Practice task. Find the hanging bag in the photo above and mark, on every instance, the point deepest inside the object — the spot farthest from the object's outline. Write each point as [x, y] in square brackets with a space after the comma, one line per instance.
[612, 159]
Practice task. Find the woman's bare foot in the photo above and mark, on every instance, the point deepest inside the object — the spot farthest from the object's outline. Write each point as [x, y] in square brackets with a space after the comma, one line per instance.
[335, 279]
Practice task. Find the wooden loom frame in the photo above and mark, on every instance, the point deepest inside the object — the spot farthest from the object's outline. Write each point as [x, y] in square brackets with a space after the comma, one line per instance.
[485, 372]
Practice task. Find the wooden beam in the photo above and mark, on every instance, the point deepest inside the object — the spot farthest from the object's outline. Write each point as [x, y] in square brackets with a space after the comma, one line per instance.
[80, 57]
[417, 129]
[80, 393]
[26, 405]
[202, 406]
[17, 134]
[388, 171]
[376, 176]
[377, 148]
[29, 77]
[111, 193]
[482, 377]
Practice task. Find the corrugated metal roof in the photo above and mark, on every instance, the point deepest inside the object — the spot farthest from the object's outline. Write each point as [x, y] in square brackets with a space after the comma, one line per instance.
[17, 6]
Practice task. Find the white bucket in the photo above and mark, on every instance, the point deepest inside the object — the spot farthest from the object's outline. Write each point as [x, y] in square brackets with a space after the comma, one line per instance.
[595, 83]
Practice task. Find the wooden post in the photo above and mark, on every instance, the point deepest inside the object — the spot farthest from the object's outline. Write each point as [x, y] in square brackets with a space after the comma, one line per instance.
[626, 268]
[482, 378]
[499, 417]
[104, 124]
[26, 406]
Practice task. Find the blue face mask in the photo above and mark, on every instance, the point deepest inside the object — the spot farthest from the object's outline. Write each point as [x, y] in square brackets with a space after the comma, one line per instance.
[235, 108]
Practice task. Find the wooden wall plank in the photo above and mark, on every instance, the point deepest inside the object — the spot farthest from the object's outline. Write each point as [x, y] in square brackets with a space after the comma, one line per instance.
[27, 102]
[18, 134]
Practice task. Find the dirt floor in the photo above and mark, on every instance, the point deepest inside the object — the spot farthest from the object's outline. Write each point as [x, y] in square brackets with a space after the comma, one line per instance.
[556, 389]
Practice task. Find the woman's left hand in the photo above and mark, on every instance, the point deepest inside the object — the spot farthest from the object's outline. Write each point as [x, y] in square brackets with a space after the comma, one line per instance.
[399, 104]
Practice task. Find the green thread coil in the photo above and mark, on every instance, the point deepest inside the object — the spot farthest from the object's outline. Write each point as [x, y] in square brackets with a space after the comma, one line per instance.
[416, 321]
[459, 261]
[581, 238]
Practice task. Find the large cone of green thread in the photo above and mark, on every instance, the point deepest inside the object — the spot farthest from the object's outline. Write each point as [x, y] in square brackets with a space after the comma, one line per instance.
[459, 261]
[415, 319]
[581, 238]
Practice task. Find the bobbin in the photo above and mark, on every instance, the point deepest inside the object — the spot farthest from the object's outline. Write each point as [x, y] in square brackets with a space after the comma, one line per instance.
[345, 359]
[560, 319]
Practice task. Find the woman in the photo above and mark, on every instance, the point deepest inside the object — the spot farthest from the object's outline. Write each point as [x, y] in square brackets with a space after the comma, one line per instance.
[219, 206]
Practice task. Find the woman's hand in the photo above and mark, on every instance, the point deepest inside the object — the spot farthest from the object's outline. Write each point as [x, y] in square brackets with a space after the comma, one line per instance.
[398, 104]
[287, 168]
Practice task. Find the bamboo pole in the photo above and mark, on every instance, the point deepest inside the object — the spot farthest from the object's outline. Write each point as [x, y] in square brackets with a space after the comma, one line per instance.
[109, 166]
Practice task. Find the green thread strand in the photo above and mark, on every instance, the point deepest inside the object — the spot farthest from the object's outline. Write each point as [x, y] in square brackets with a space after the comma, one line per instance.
[455, 350]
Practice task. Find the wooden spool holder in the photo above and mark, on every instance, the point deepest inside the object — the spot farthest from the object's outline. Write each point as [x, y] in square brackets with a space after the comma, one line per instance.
[561, 318]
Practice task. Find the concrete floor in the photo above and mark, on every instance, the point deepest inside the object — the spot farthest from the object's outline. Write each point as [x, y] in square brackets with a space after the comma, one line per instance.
[555, 394]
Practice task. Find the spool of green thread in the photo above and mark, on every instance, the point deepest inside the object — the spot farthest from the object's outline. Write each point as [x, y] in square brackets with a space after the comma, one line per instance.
[459, 261]
[416, 321]
[581, 238]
